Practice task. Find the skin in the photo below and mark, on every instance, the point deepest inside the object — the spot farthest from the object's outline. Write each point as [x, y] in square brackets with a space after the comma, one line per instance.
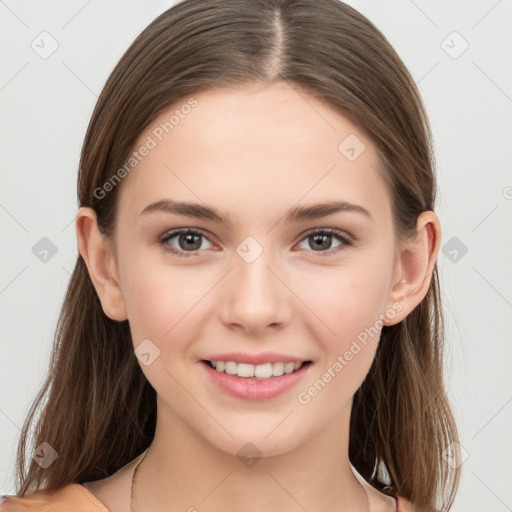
[253, 152]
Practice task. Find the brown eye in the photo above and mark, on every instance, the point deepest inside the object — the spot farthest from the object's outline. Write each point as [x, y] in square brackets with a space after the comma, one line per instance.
[189, 241]
[185, 241]
[321, 241]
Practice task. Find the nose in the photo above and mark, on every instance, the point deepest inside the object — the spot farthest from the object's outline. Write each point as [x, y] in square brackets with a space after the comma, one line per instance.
[255, 296]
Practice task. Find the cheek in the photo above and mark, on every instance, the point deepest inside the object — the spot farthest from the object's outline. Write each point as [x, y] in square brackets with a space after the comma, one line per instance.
[164, 306]
[346, 300]
[347, 305]
[347, 346]
[162, 303]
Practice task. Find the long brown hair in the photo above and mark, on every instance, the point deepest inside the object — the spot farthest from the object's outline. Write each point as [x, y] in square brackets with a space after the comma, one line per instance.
[98, 411]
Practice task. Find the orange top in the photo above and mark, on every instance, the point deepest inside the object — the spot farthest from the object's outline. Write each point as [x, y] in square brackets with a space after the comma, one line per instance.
[77, 498]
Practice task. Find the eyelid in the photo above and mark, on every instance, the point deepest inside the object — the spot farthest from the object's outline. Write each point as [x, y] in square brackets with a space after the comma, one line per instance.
[345, 238]
[177, 231]
[330, 231]
[170, 234]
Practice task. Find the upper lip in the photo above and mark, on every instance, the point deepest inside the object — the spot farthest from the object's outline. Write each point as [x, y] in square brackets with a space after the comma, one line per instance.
[261, 358]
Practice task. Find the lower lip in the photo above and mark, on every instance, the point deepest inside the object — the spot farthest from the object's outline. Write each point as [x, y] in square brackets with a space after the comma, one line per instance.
[255, 389]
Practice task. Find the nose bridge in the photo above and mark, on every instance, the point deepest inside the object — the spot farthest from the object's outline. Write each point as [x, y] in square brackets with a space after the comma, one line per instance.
[256, 297]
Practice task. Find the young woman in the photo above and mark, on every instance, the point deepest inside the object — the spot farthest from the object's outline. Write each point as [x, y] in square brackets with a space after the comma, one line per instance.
[253, 321]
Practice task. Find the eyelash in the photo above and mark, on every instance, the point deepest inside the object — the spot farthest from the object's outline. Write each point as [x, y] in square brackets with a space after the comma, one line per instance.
[339, 235]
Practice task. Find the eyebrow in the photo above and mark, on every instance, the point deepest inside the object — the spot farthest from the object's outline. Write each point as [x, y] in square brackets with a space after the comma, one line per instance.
[294, 214]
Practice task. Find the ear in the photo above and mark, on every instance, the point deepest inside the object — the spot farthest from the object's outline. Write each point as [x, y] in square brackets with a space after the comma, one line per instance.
[415, 264]
[97, 252]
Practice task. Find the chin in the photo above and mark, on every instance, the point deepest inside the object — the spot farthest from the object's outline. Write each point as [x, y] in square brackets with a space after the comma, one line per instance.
[252, 444]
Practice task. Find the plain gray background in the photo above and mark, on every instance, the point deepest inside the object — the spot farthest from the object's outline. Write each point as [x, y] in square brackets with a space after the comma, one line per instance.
[46, 103]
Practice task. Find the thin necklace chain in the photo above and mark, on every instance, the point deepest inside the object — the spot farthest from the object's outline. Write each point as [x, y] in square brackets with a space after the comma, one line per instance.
[366, 499]
[132, 508]
[132, 500]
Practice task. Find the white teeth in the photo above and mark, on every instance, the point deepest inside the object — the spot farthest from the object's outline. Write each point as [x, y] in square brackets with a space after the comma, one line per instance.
[258, 371]
[277, 369]
[288, 367]
[230, 367]
[245, 370]
[263, 371]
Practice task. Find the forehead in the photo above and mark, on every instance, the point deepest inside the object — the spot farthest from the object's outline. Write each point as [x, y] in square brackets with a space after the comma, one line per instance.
[254, 146]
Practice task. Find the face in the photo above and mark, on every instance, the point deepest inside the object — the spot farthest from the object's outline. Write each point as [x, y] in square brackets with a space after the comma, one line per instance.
[262, 282]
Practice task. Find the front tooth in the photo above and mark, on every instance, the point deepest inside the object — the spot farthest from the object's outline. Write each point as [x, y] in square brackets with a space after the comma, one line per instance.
[245, 370]
[277, 369]
[230, 367]
[263, 371]
[288, 367]
[220, 365]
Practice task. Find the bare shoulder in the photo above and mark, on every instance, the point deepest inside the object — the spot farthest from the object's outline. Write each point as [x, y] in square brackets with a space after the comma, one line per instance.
[66, 498]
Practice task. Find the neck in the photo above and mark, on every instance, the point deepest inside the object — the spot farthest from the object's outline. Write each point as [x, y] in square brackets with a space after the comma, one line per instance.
[183, 471]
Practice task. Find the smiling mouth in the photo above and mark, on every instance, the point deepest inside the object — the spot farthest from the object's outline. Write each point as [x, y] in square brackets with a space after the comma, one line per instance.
[259, 371]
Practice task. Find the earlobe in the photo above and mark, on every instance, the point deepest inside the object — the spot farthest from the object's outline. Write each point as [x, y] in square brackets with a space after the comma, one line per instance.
[96, 250]
[417, 261]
